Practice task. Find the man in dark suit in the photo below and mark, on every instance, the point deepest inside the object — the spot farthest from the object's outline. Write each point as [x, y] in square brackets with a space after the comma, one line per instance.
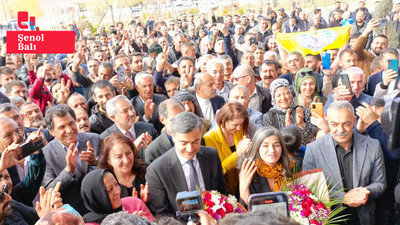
[146, 103]
[352, 163]
[186, 167]
[260, 98]
[122, 113]
[62, 162]
[167, 111]
[206, 94]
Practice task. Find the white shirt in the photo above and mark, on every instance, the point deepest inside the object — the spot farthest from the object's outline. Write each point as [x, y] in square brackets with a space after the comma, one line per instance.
[132, 130]
[186, 170]
[206, 109]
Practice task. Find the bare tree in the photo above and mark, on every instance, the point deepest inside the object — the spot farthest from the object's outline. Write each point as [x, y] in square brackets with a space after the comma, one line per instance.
[112, 12]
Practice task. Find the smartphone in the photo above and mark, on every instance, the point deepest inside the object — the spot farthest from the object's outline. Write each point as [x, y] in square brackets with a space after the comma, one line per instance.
[121, 73]
[294, 4]
[345, 80]
[326, 60]
[220, 19]
[318, 108]
[51, 59]
[393, 64]
[275, 202]
[382, 22]
[28, 148]
[252, 41]
[151, 25]
[211, 36]
[4, 39]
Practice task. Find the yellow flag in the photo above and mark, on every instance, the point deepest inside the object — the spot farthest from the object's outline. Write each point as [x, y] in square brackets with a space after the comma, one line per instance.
[314, 42]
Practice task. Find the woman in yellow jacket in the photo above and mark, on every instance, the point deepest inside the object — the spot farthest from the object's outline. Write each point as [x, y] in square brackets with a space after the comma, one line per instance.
[232, 127]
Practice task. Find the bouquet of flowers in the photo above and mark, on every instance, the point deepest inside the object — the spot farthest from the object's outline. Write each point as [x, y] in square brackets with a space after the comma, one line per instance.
[218, 205]
[306, 208]
[309, 200]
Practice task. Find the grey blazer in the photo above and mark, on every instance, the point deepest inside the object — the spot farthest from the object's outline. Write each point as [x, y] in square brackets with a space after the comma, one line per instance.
[368, 169]
[158, 147]
[56, 169]
[140, 128]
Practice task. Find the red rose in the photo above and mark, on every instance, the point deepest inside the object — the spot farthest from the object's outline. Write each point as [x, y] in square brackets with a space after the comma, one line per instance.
[228, 207]
[320, 205]
[209, 203]
[207, 196]
[221, 212]
[209, 211]
[313, 221]
[307, 212]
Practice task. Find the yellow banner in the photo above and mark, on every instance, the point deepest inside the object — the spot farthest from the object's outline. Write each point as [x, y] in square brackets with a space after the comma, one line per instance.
[314, 42]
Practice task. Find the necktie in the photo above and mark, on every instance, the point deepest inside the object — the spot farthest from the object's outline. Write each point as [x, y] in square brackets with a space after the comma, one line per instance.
[130, 136]
[193, 178]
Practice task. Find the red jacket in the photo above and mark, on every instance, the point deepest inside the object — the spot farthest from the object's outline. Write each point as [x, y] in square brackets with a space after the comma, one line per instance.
[38, 92]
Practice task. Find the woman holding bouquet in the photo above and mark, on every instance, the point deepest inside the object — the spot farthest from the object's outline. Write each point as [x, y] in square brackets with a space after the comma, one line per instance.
[232, 127]
[266, 165]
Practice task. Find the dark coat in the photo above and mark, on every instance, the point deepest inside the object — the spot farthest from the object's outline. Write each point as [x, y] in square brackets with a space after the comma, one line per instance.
[166, 178]
[158, 147]
[140, 128]
[139, 106]
[99, 122]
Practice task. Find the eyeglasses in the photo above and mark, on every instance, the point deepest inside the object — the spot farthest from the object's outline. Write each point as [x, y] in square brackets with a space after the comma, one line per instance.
[237, 78]
[305, 73]
[3, 192]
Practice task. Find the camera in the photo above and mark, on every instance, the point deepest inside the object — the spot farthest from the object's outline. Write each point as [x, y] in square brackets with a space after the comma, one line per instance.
[188, 204]
[391, 120]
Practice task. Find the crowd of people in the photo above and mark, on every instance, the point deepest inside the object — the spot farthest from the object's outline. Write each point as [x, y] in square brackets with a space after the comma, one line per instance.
[142, 111]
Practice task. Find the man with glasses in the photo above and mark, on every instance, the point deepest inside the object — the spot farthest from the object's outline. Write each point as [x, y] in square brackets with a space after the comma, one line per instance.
[260, 98]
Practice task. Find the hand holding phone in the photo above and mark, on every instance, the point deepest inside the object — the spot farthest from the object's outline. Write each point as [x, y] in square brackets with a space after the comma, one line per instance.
[121, 73]
[252, 41]
[275, 202]
[326, 60]
[29, 148]
[345, 80]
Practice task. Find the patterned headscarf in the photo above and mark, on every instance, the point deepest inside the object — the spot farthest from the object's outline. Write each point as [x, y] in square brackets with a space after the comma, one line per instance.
[277, 83]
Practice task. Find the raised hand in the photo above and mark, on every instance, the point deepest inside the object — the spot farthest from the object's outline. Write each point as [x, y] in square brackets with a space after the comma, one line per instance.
[70, 158]
[88, 155]
[64, 92]
[288, 121]
[148, 109]
[143, 141]
[144, 192]
[246, 174]
[8, 157]
[243, 145]
[49, 200]
[388, 76]
[300, 118]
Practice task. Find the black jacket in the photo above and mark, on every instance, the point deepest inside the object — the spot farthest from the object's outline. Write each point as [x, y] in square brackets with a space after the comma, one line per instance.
[99, 122]
[21, 214]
